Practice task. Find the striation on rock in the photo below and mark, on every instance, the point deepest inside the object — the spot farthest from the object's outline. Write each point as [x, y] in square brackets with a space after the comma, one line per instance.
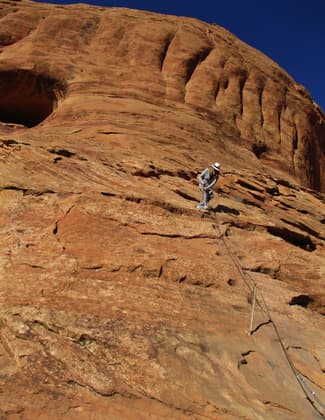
[118, 298]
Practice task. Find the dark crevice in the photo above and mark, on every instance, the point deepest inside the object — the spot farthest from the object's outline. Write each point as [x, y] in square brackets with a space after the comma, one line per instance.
[281, 204]
[246, 353]
[183, 174]
[242, 81]
[262, 324]
[260, 95]
[258, 197]
[135, 268]
[294, 150]
[177, 235]
[249, 186]
[110, 132]
[108, 194]
[8, 142]
[301, 300]
[186, 196]
[251, 227]
[26, 191]
[303, 227]
[280, 107]
[313, 155]
[295, 140]
[224, 209]
[7, 39]
[304, 211]
[242, 362]
[14, 188]
[11, 142]
[258, 149]
[216, 90]
[200, 283]
[249, 202]
[62, 152]
[224, 83]
[272, 190]
[295, 348]
[164, 52]
[33, 266]
[84, 339]
[194, 61]
[28, 98]
[134, 199]
[315, 193]
[55, 229]
[285, 183]
[260, 101]
[292, 237]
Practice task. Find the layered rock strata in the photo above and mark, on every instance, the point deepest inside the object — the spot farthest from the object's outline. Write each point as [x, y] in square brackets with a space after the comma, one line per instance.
[118, 298]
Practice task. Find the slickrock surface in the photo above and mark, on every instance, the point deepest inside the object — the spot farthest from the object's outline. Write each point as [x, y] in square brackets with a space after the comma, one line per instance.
[119, 299]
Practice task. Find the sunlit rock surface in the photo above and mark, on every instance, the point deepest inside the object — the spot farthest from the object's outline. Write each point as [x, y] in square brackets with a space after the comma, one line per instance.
[119, 299]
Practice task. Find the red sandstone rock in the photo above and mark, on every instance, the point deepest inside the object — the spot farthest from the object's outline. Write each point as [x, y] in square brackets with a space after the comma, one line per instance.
[118, 298]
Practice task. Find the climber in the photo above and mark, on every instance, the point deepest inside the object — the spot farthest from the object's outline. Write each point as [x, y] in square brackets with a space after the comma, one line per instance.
[207, 180]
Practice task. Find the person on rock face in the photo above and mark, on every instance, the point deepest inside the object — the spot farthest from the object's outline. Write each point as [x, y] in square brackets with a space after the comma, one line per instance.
[207, 179]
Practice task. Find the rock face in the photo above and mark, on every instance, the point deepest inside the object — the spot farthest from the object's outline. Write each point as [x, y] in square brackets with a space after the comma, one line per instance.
[119, 299]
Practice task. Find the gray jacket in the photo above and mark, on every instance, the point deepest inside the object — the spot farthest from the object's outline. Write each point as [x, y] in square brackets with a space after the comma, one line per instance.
[207, 180]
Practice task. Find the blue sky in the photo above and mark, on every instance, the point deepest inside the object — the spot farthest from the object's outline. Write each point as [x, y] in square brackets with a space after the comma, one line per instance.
[291, 32]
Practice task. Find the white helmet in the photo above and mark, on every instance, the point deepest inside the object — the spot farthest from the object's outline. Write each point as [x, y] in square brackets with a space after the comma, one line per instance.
[216, 166]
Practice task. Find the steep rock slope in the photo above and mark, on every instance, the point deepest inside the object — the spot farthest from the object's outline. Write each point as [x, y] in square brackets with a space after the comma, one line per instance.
[118, 298]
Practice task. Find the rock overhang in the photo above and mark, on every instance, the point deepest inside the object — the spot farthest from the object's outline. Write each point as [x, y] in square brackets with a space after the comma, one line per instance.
[115, 288]
[28, 98]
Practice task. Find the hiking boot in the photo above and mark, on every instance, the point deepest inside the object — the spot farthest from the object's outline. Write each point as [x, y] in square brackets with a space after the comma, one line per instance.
[202, 207]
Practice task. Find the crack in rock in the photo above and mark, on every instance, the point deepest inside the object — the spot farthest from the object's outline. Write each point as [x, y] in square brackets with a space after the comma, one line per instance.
[176, 235]
[11, 142]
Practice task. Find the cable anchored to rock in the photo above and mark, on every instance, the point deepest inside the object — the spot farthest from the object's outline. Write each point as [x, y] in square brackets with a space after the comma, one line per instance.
[262, 304]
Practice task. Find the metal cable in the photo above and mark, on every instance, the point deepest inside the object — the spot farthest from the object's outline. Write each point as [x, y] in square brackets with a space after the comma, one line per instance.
[300, 377]
[234, 259]
[302, 383]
